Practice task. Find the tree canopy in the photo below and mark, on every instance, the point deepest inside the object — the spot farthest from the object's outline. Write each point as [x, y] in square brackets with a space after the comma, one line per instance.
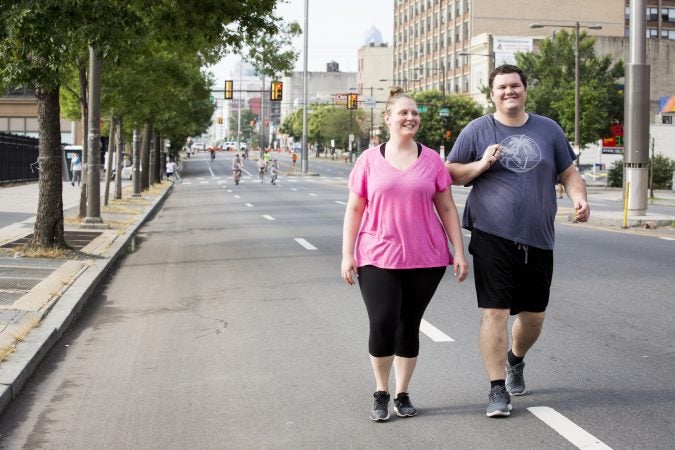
[551, 85]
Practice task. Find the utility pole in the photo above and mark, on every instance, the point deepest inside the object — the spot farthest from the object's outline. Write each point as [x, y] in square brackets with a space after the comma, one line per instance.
[93, 219]
[305, 152]
[636, 113]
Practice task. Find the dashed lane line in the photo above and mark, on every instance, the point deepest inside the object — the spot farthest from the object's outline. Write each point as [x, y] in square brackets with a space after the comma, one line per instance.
[250, 205]
[236, 196]
[312, 194]
[305, 244]
[576, 435]
[340, 202]
[268, 217]
[434, 333]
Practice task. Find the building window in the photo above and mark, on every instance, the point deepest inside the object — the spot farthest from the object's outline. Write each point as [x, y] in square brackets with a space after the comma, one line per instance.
[652, 14]
[668, 14]
[652, 33]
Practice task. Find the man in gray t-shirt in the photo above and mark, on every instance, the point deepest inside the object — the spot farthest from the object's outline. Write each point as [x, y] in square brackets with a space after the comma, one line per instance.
[512, 160]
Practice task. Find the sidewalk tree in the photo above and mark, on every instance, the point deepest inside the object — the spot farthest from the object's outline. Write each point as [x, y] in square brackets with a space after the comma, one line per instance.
[551, 85]
[461, 110]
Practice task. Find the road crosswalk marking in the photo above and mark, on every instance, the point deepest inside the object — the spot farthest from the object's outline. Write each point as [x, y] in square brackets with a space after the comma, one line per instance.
[305, 244]
[434, 333]
[576, 435]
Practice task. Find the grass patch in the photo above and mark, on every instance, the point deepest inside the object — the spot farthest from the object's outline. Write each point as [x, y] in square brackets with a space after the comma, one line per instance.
[6, 351]
[28, 251]
[31, 322]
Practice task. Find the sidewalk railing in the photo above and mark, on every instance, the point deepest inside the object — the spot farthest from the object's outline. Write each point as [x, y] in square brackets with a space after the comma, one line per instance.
[17, 153]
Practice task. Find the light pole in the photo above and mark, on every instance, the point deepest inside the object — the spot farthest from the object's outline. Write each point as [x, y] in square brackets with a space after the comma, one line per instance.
[577, 101]
[372, 105]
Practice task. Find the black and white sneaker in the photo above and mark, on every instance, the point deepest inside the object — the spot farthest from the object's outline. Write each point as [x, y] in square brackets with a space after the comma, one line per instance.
[403, 406]
[380, 411]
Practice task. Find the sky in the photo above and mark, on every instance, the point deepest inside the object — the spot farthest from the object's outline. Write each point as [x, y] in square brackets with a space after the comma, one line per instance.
[336, 31]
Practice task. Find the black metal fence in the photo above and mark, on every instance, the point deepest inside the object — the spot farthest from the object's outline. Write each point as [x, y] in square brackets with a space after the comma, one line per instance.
[17, 157]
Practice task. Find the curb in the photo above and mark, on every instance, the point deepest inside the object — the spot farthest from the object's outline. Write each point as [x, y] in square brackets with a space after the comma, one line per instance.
[15, 372]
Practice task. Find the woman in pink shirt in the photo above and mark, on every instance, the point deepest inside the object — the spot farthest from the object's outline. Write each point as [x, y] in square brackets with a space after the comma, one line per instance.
[395, 243]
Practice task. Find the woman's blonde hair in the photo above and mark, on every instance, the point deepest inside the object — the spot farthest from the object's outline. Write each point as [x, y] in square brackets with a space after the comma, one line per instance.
[395, 93]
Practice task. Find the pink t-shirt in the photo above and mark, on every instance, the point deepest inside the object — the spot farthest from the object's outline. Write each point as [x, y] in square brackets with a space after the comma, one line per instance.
[400, 228]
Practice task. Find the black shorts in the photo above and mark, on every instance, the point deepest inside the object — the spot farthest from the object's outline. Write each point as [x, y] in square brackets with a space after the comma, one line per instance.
[510, 275]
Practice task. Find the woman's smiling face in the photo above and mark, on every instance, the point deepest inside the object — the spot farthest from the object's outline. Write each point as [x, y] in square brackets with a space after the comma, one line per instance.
[403, 119]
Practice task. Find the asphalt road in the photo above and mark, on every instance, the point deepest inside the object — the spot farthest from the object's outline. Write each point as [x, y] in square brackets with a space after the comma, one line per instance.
[228, 326]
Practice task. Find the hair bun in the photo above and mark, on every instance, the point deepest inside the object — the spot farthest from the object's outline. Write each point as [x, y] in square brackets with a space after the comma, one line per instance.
[395, 90]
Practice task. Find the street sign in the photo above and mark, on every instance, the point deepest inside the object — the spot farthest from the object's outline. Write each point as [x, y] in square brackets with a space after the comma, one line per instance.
[369, 102]
[444, 112]
[422, 108]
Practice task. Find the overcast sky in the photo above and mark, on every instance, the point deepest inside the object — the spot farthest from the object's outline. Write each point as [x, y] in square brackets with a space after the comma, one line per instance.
[337, 30]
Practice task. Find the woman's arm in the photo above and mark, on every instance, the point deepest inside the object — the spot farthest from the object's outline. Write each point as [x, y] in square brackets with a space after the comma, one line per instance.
[353, 215]
[447, 211]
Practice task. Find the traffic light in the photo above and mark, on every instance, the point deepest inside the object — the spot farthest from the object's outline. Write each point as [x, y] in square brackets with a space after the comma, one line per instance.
[352, 101]
[252, 123]
[229, 89]
[276, 91]
[448, 134]
[220, 120]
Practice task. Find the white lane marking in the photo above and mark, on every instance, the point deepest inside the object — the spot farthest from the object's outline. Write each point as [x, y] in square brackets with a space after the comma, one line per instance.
[579, 437]
[294, 189]
[250, 205]
[305, 244]
[221, 182]
[212, 174]
[187, 182]
[270, 218]
[236, 196]
[340, 203]
[434, 333]
[203, 182]
[666, 238]
[313, 194]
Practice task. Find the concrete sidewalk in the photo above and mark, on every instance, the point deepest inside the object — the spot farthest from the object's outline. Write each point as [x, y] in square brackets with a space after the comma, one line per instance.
[40, 297]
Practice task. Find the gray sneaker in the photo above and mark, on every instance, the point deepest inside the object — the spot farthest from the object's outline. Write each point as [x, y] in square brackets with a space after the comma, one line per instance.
[515, 380]
[403, 406]
[380, 411]
[499, 402]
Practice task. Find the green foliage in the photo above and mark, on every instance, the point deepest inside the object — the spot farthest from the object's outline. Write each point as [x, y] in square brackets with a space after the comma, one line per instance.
[551, 83]
[462, 110]
[662, 177]
[663, 168]
[615, 174]
[247, 132]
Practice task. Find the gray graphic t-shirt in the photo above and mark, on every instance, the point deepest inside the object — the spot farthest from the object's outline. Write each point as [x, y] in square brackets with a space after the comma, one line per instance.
[515, 198]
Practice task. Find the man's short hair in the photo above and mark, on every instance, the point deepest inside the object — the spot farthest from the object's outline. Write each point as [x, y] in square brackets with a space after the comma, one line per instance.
[508, 68]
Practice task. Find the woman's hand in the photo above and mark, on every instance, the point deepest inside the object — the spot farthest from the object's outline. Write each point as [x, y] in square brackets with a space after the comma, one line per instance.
[348, 270]
[461, 267]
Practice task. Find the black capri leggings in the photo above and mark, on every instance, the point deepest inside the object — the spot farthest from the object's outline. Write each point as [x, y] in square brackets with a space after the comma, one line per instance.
[396, 300]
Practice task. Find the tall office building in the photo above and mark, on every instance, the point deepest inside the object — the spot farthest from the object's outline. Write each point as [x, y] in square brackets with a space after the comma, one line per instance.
[437, 41]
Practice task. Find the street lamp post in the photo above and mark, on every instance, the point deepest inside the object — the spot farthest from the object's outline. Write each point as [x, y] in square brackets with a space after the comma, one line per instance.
[577, 101]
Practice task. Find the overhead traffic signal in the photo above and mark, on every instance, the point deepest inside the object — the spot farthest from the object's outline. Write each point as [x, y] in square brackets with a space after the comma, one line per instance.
[352, 101]
[220, 120]
[229, 89]
[276, 91]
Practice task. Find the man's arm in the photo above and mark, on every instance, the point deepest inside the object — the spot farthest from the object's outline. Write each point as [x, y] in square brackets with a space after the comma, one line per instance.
[576, 191]
[465, 173]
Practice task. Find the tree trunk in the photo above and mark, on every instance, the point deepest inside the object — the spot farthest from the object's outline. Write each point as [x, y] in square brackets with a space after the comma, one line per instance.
[48, 231]
[145, 157]
[157, 169]
[84, 107]
[120, 150]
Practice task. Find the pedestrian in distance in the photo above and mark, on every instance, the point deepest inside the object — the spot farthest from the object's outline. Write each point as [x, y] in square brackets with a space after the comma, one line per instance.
[295, 159]
[262, 168]
[399, 217]
[512, 159]
[170, 170]
[76, 169]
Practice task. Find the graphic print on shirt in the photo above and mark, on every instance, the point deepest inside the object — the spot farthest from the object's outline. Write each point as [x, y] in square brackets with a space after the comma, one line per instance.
[520, 153]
